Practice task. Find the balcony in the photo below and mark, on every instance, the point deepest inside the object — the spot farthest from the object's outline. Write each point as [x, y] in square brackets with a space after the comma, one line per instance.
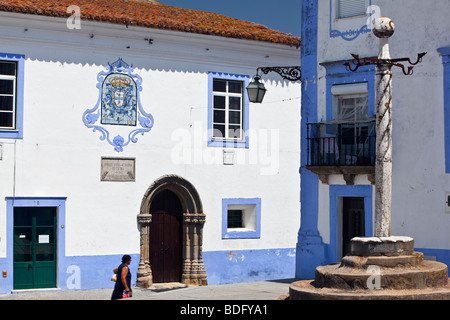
[346, 148]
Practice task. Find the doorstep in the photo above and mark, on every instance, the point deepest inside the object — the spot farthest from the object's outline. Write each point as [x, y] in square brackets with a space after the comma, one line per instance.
[167, 286]
[15, 291]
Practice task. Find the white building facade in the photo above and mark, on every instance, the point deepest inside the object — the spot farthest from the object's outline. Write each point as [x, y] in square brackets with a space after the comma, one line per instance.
[338, 122]
[131, 140]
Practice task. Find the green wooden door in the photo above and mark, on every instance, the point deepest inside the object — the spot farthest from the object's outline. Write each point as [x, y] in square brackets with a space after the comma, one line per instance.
[34, 247]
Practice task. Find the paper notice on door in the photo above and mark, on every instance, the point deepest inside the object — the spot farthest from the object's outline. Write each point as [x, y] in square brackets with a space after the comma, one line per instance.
[44, 238]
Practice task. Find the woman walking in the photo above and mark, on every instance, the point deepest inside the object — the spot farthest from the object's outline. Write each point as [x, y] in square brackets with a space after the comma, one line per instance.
[123, 282]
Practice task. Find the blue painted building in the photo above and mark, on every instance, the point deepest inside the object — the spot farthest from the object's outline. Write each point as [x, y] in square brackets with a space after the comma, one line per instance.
[337, 129]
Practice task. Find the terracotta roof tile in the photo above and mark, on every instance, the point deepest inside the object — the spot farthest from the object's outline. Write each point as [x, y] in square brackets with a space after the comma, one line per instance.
[146, 14]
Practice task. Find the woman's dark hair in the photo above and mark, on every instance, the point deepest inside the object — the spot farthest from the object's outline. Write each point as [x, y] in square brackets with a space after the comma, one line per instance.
[126, 258]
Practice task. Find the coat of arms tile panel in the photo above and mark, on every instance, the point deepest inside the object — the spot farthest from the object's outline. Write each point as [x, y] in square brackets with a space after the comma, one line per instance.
[118, 106]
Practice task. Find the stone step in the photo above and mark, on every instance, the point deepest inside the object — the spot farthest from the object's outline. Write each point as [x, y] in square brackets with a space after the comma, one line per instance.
[387, 246]
[158, 287]
[305, 290]
[412, 260]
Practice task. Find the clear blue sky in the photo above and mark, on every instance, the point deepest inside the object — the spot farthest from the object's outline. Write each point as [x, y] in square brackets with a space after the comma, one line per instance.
[282, 15]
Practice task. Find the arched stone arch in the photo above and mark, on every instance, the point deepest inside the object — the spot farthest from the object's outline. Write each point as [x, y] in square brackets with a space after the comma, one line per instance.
[193, 269]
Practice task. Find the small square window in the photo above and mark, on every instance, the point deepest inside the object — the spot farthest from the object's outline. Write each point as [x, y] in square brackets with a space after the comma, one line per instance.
[241, 218]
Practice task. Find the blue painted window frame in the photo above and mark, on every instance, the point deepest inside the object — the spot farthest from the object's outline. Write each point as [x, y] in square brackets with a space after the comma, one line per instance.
[337, 74]
[241, 234]
[220, 143]
[339, 191]
[60, 204]
[445, 53]
[17, 133]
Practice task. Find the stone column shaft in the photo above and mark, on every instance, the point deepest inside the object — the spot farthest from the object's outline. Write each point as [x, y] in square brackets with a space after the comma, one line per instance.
[383, 162]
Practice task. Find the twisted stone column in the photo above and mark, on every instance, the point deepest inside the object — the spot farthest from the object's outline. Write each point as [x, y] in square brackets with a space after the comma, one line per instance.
[383, 29]
[383, 165]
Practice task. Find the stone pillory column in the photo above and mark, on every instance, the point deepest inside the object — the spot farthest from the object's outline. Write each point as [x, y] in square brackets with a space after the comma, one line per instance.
[383, 29]
[381, 267]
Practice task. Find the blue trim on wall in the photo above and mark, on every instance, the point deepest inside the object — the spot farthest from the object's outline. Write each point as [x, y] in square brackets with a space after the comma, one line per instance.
[235, 266]
[442, 255]
[445, 53]
[241, 234]
[337, 191]
[310, 247]
[222, 267]
[18, 132]
[94, 272]
[227, 144]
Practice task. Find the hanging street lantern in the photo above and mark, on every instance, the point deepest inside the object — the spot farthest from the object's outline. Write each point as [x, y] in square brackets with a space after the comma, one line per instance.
[256, 89]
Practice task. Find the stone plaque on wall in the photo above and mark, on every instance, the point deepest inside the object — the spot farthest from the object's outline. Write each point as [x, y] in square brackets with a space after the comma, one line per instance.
[118, 169]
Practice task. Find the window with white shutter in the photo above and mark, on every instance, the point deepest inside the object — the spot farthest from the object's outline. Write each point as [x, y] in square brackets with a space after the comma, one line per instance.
[350, 8]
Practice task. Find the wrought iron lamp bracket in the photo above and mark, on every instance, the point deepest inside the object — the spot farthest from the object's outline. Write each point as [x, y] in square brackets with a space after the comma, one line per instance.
[287, 73]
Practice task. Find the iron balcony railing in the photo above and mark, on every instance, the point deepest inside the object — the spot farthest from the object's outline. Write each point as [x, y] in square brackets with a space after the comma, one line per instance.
[341, 144]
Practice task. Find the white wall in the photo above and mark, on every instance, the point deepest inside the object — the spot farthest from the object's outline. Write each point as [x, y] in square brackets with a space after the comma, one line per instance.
[59, 156]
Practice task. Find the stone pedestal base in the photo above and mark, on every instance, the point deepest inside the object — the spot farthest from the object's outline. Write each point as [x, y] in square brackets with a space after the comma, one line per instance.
[387, 246]
[378, 268]
[305, 290]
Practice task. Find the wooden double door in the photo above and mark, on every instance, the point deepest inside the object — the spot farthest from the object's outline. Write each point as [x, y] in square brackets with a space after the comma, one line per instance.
[166, 237]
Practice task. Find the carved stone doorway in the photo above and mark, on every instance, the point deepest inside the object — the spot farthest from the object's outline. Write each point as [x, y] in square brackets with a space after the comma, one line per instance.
[193, 219]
